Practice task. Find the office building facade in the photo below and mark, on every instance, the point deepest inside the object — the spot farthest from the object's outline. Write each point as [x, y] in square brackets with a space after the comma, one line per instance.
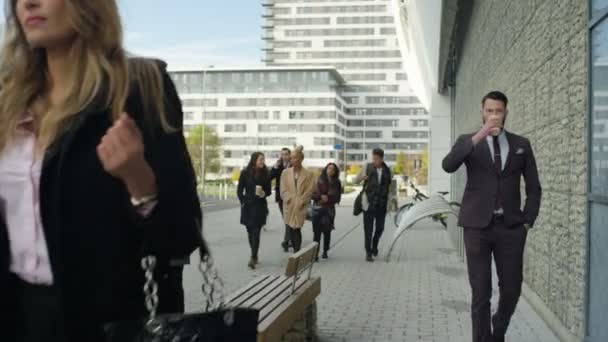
[359, 39]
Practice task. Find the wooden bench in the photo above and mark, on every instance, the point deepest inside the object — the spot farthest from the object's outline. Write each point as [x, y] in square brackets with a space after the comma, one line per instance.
[287, 303]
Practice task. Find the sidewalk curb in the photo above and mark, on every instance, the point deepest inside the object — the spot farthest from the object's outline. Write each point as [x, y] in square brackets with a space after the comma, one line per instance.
[552, 321]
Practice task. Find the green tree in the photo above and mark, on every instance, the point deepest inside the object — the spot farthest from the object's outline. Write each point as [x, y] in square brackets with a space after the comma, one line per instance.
[213, 149]
[354, 169]
[236, 174]
[423, 172]
[400, 164]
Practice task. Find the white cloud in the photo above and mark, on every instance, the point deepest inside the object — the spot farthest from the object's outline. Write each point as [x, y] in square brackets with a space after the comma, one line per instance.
[225, 52]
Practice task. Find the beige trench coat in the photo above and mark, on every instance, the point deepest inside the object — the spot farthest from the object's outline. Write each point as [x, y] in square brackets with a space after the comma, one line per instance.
[296, 200]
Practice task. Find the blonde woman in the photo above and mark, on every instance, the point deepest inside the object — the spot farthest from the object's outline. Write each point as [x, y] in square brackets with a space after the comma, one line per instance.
[297, 185]
[94, 172]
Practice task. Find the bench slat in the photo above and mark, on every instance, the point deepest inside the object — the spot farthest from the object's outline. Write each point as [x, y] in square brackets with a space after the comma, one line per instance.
[267, 294]
[280, 320]
[244, 293]
[281, 298]
[302, 259]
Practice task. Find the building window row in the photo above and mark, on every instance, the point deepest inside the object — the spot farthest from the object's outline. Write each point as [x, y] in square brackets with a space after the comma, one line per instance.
[349, 54]
[264, 141]
[308, 1]
[296, 128]
[401, 76]
[420, 123]
[368, 134]
[200, 102]
[355, 43]
[302, 21]
[368, 65]
[341, 9]
[366, 20]
[281, 44]
[365, 77]
[330, 32]
[327, 141]
[372, 123]
[311, 115]
[238, 115]
[252, 102]
[235, 128]
[410, 135]
[386, 111]
[386, 146]
[371, 88]
[278, 55]
[281, 10]
[391, 99]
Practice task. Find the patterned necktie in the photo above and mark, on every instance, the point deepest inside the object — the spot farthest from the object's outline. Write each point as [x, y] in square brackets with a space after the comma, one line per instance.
[498, 165]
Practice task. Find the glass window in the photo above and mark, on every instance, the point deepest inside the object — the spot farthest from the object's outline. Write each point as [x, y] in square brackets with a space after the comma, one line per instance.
[599, 86]
[598, 7]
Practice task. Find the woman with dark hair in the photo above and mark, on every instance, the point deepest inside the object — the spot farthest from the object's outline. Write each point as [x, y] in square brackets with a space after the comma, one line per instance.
[253, 188]
[328, 193]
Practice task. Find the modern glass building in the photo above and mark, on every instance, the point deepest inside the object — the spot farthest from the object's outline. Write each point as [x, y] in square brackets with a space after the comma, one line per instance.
[358, 38]
[266, 109]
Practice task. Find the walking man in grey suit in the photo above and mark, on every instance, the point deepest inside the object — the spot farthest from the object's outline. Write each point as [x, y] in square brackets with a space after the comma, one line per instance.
[494, 223]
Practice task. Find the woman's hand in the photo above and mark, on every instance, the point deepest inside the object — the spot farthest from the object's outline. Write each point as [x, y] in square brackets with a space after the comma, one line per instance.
[324, 199]
[121, 152]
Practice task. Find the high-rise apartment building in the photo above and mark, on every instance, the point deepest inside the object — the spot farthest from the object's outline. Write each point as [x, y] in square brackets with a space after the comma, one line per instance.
[358, 38]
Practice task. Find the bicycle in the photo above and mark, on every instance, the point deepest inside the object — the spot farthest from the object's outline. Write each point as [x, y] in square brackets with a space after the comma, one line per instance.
[419, 197]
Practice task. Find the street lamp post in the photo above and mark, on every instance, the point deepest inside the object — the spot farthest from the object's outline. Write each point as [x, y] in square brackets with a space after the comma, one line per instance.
[203, 129]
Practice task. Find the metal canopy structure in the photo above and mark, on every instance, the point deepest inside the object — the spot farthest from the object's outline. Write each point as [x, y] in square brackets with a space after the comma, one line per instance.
[434, 205]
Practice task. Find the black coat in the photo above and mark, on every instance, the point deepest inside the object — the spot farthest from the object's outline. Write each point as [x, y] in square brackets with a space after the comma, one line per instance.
[95, 238]
[275, 173]
[254, 210]
[484, 181]
[377, 193]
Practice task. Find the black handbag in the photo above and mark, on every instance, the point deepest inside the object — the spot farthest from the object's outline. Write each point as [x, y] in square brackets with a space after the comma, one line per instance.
[313, 212]
[218, 322]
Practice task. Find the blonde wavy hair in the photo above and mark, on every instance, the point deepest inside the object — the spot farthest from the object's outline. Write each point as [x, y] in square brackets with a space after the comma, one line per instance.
[101, 71]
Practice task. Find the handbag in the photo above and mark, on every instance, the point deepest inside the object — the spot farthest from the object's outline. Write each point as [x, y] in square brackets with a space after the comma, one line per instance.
[361, 202]
[313, 211]
[217, 322]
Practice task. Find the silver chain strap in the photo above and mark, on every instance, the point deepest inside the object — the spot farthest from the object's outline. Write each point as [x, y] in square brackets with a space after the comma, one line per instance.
[213, 290]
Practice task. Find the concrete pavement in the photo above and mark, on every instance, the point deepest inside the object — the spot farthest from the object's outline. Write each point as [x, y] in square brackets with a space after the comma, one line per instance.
[421, 295]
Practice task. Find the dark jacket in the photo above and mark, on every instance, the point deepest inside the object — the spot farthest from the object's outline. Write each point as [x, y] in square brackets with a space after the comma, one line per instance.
[333, 190]
[484, 181]
[95, 237]
[275, 173]
[254, 210]
[377, 193]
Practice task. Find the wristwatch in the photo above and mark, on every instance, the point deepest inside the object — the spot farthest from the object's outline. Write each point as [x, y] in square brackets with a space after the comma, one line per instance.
[139, 201]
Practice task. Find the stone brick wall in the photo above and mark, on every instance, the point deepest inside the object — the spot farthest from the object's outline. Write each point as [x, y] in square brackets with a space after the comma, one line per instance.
[535, 51]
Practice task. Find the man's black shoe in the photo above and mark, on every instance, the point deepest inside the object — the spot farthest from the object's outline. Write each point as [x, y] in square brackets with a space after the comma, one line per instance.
[369, 258]
[285, 246]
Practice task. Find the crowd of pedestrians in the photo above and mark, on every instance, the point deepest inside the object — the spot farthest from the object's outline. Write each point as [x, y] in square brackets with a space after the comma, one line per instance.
[301, 195]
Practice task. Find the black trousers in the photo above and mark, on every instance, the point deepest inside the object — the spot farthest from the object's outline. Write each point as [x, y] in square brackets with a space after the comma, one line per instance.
[39, 314]
[319, 231]
[507, 246]
[253, 232]
[295, 236]
[372, 237]
[286, 238]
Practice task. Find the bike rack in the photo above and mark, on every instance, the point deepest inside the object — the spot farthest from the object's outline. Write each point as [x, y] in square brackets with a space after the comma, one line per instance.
[434, 205]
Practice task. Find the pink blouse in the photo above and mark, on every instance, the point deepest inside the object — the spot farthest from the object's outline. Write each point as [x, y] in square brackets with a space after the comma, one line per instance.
[20, 169]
